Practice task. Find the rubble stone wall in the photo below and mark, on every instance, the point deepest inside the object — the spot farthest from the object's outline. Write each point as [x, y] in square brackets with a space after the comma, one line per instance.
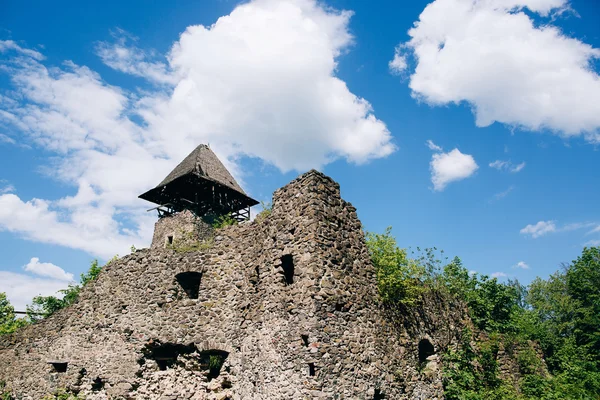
[285, 308]
[180, 230]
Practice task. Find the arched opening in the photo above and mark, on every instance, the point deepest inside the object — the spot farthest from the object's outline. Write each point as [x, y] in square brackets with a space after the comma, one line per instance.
[426, 349]
[169, 240]
[213, 360]
[190, 283]
[378, 395]
[311, 369]
[287, 266]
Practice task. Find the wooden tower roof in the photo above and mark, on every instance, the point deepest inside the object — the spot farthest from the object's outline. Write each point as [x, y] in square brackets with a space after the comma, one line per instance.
[201, 184]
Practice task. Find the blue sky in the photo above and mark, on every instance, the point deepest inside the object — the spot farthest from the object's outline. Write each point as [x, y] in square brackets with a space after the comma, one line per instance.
[476, 132]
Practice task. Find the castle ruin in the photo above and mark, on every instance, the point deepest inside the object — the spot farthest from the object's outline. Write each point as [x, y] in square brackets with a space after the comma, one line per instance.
[283, 307]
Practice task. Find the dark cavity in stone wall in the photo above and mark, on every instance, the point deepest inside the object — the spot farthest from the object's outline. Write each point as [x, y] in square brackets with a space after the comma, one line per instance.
[190, 283]
[287, 266]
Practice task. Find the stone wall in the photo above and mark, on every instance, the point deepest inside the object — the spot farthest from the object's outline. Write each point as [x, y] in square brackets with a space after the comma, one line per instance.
[181, 230]
[286, 309]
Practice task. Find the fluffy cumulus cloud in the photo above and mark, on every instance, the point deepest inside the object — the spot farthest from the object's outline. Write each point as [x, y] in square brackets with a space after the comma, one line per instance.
[499, 275]
[540, 229]
[39, 279]
[492, 55]
[507, 166]
[449, 167]
[21, 288]
[260, 82]
[48, 270]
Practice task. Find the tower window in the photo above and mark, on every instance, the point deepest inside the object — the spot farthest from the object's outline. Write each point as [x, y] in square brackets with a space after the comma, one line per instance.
[311, 369]
[287, 265]
[169, 240]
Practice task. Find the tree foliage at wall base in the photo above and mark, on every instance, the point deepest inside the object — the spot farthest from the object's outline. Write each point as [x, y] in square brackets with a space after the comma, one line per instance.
[561, 315]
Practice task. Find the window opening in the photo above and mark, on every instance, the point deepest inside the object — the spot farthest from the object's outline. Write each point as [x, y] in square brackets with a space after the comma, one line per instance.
[213, 360]
[59, 366]
[311, 369]
[170, 239]
[304, 339]
[287, 264]
[190, 283]
[425, 350]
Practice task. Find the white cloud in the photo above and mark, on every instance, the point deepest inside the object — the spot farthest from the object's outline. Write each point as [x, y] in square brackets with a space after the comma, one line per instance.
[545, 227]
[450, 167]
[503, 194]
[6, 139]
[259, 82]
[432, 146]
[540, 229]
[592, 243]
[88, 228]
[493, 56]
[123, 57]
[398, 64]
[6, 187]
[21, 288]
[11, 45]
[48, 270]
[499, 275]
[507, 166]
[521, 265]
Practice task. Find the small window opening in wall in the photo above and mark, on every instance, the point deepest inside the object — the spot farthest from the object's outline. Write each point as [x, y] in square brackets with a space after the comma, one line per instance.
[169, 239]
[97, 384]
[425, 350]
[292, 231]
[287, 264]
[378, 395]
[311, 369]
[213, 361]
[190, 283]
[304, 339]
[59, 366]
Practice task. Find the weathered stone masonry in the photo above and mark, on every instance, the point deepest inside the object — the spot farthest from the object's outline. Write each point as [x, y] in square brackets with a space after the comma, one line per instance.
[286, 309]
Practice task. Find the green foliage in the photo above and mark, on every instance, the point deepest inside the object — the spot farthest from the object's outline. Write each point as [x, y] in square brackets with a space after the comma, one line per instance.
[266, 211]
[223, 221]
[561, 314]
[8, 320]
[398, 277]
[44, 306]
[215, 362]
[5, 394]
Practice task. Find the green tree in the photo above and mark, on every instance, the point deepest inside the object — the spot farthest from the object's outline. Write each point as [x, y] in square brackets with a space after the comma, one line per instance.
[8, 320]
[44, 306]
[398, 277]
[583, 285]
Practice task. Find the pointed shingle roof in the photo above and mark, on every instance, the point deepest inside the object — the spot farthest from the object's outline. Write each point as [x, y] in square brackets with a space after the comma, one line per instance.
[201, 184]
[203, 162]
